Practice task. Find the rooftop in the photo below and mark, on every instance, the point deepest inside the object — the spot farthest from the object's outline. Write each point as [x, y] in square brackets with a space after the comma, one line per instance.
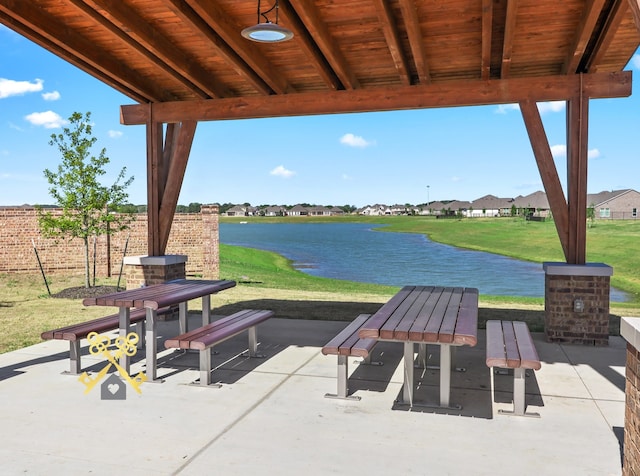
[271, 417]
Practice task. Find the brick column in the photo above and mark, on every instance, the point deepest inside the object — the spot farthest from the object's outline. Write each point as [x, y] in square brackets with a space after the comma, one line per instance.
[576, 303]
[210, 242]
[630, 330]
[148, 270]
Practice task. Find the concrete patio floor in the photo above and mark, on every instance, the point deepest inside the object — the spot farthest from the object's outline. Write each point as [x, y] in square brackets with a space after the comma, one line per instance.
[271, 417]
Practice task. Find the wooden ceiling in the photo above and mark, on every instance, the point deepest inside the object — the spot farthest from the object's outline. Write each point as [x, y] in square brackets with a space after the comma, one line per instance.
[355, 53]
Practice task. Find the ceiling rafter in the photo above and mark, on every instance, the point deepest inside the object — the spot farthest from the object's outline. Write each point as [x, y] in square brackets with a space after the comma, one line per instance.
[613, 20]
[583, 34]
[309, 16]
[509, 34]
[216, 18]
[416, 42]
[635, 10]
[184, 11]
[487, 34]
[116, 31]
[130, 22]
[72, 48]
[306, 43]
[391, 34]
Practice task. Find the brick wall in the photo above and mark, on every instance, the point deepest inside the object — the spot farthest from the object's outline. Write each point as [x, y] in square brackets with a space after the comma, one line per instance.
[563, 324]
[194, 235]
[631, 460]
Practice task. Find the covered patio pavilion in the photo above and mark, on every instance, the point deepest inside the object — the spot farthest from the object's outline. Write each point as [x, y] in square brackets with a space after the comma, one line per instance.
[185, 61]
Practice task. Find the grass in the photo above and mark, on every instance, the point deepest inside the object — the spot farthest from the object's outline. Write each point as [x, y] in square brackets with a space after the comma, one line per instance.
[267, 280]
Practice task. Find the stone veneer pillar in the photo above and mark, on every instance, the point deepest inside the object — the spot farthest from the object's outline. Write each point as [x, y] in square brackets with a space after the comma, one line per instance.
[576, 303]
[630, 330]
[147, 270]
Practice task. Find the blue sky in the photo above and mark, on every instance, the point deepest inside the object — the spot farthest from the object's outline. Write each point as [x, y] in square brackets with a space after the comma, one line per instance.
[355, 159]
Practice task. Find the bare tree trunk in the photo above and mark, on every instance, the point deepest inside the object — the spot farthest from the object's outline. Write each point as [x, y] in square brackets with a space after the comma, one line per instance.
[87, 283]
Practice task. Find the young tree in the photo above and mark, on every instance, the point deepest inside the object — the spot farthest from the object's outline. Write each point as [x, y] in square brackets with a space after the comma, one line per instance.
[85, 202]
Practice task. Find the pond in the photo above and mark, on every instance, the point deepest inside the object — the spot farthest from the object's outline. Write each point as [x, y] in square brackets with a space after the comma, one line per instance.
[357, 252]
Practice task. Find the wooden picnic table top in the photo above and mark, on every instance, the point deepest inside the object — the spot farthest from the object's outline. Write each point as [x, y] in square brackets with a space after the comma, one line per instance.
[445, 315]
[161, 295]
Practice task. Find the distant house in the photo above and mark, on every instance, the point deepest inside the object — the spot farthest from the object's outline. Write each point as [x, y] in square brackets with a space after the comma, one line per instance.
[535, 204]
[337, 211]
[615, 205]
[458, 206]
[237, 211]
[490, 206]
[375, 210]
[298, 211]
[319, 211]
[273, 211]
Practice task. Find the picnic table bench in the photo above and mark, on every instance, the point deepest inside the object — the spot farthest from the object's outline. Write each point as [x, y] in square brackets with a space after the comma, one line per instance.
[205, 337]
[153, 298]
[510, 346]
[74, 333]
[348, 344]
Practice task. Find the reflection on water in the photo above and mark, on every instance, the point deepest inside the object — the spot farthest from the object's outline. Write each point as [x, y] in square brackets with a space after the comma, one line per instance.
[356, 252]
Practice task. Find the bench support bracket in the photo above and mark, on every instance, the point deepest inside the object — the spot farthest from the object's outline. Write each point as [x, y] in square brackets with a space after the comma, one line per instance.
[519, 404]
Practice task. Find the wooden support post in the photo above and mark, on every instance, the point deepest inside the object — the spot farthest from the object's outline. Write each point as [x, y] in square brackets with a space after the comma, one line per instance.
[548, 171]
[577, 150]
[166, 165]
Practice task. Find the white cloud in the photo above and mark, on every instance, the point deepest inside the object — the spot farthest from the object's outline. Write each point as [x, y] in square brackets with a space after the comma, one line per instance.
[558, 150]
[455, 179]
[9, 87]
[593, 154]
[346, 177]
[16, 127]
[115, 134]
[551, 106]
[52, 96]
[280, 171]
[635, 61]
[355, 141]
[505, 108]
[48, 119]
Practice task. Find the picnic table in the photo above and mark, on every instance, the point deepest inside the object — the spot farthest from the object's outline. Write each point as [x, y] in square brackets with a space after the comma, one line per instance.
[445, 316]
[155, 297]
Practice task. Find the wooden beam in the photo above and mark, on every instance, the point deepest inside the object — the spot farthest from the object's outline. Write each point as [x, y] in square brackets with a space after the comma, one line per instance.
[308, 14]
[91, 12]
[128, 20]
[509, 34]
[68, 45]
[607, 34]
[434, 95]
[548, 171]
[178, 153]
[229, 31]
[414, 33]
[187, 14]
[635, 10]
[577, 155]
[487, 34]
[308, 46]
[390, 30]
[582, 36]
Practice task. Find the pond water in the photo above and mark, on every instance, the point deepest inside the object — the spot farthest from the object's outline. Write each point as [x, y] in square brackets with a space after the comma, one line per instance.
[357, 252]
